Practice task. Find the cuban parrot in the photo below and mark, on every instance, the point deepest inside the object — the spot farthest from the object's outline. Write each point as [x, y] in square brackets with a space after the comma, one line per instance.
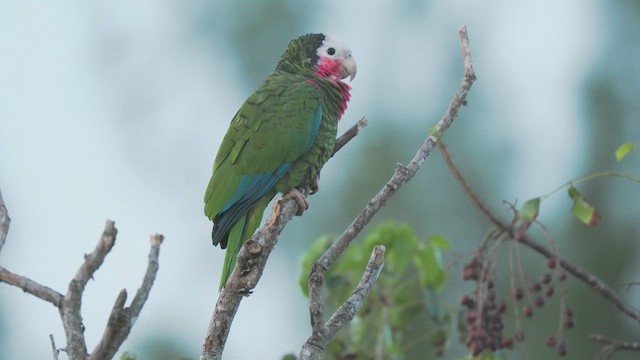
[279, 140]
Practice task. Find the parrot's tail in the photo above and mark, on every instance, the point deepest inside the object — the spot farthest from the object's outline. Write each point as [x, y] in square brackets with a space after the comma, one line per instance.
[235, 241]
[240, 232]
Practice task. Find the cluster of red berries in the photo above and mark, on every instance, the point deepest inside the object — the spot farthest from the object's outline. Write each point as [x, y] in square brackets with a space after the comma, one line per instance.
[484, 315]
[538, 290]
[561, 345]
[484, 323]
[545, 287]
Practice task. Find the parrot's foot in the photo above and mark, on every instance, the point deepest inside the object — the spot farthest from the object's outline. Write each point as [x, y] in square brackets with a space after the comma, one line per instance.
[294, 194]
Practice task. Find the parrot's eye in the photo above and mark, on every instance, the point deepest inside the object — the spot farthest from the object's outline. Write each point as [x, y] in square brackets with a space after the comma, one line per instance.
[331, 51]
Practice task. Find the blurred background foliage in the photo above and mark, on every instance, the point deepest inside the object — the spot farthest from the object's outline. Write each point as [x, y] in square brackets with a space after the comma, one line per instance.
[402, 317]
[116, 110]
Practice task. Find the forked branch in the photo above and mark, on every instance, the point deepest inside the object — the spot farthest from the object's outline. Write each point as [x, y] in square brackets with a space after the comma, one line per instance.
[69, 305]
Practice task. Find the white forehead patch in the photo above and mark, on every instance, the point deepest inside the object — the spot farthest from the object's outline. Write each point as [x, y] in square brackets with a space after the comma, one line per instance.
[332, 47]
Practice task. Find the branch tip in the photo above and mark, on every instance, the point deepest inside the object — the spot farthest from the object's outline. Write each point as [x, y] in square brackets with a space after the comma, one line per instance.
[352, 132]
[362, 123]
[120, 300]
[156, 239]
[379, 254]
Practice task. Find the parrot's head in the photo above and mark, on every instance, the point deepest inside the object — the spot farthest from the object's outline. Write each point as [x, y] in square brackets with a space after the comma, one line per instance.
[321, 54]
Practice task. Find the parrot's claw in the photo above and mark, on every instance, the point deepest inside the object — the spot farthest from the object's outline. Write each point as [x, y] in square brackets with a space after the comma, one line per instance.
[295, 194]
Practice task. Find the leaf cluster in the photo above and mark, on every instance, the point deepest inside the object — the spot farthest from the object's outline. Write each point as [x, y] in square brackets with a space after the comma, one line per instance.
[404, 299]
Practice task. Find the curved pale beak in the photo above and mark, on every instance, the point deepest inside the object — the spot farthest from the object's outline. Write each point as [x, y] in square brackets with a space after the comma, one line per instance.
[349, 68]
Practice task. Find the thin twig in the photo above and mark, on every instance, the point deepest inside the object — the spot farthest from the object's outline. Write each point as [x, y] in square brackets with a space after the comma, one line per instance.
[465, 186]
[400, 177]
[54, 348]
[150, 275]
[250, 264]
[613, 345]
[312, 349]
[348, 309]
[629, 284]
[352, 132]
[514, 301]
[585, 276]
[591, 177]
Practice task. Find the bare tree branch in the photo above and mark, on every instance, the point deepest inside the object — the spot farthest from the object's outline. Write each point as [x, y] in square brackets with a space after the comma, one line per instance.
[475, 198]
[54, 348]
[349, 134]
[149, 277]
[29, 286]
[72, 302]
[585, 276]
[401, 176]
[612, 346]
[314, 347]
[122, 319]
[250, 264]
[345, 312]
[520, 235]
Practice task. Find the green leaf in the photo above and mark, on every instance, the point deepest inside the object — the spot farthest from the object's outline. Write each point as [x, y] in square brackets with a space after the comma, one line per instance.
[128, 356]
[354, 259]
[623, 150]
[400, 242]
[582, 209]
[529, 210]
[439, 241]
[431, 271]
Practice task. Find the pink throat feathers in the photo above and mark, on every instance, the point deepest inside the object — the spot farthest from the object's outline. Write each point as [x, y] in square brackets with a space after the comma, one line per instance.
[330, 68]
